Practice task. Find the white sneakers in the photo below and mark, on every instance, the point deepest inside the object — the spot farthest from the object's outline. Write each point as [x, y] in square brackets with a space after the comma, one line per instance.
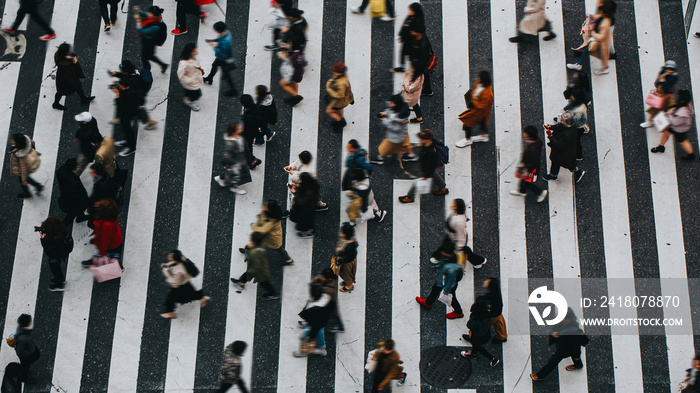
[646, 124]
[542, 196]
[464, 142]
[219, 180]
[190, 104]
[517, 193]
[386, 18]
[480, 138]
[574, 66]
[434, 261]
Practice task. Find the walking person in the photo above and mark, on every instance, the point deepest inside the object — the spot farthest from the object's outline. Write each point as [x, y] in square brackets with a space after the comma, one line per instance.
[10, 381]
[681, 118]
[345, 256]
[567, 339]
[236, 172]
[304, 204]
[185, 7]
[24, 160]
[190, 74]
[73, 198]
[257, 267]
[414, 17]
[268, 109]
[411, 89]
[362, 199]
[57, 245]
[429, 162]
[68, 75]
[252, 128]
[456, 236]
[31, 7]
[562, 141]
[103, 186]
[479, 100]
[109, 17]
[87, 134]
[130, 94]
[664, 86]
[338, 96]
[479, 333]
[528, 168]
[534, 22]
[107, 235]
[151, 29]
[270, 225]
[277, 20]
[292, 72]
[316, 314]
[231, 368]
[178, 277]
[223, 52]
[329, 285]
[578, 108]
[26, 348]
[600, 27]
[303, 165]
[449, 275]
[388, 367]
[494, 300]
[389, 13]
[295, 34]
[356, 159]
[396, 140]
[420, 51]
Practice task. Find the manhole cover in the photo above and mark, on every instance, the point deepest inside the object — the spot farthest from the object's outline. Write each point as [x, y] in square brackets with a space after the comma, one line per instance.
[444, 367]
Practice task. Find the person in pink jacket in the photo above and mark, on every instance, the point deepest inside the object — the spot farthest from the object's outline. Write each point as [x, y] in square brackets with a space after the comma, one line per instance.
[412, 87]
[190, 74]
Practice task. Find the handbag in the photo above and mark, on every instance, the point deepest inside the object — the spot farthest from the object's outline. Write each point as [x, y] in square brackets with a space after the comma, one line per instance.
[33, 160]
[105, 268]
[377, 8]
[307, 346]
[654, 100]
[661, 121]
[524, 174]
[423, 186]
[371, 363]
[335, 266]
[445, 298]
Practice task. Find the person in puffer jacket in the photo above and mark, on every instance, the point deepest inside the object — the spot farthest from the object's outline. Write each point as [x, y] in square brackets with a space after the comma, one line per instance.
[681, 118]
[231, 367]
[20, 166]
[190, 74]
[396, 141]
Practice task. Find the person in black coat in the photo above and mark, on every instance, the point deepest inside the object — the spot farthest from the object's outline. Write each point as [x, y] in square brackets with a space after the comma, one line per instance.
[68, 75]
[479, 333]
[567, 339]
[25, 347]
[414, 18]
[419, 53]
[294, 35]
[303, 211]
[103, 187]
[428, 160]
[529, 165]
[562, 139]
[31, 7]
[131, 93]
[73, 199]
[57, 246]
[253, 125]
[88, 133]
[10, 381]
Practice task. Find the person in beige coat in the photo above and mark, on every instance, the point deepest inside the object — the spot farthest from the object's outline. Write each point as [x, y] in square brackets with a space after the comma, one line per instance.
[412, 87]
[269, 224]
[339, 95]
[106, 155]
[190, 74]
[177, 276]
[534, 21]
[598, 45]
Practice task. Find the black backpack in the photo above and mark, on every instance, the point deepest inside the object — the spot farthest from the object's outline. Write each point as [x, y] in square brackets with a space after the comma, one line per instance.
[162, 34]
[68, 244]
[443, 153]
[192, 269]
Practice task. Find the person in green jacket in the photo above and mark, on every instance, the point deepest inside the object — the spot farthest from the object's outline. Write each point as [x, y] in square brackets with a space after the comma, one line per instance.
[257, 270]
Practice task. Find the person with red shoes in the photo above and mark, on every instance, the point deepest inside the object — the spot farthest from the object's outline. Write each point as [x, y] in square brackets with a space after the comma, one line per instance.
[185, 7]
[31, 7]
[448, 278]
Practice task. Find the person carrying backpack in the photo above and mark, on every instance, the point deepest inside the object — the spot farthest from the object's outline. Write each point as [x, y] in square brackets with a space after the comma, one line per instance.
[153, 32]
[357, 158]
[57, 244]
[429, 160]
[567, 339]
[178, 272]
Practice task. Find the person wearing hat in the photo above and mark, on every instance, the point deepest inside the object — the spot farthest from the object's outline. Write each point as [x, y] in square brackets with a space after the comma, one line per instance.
[428, 160]
[396, 141]
[31, 7]
[87, 134]
[562, 141]
[339, 95]
[148, 26]
[600, 27]
[665, 87]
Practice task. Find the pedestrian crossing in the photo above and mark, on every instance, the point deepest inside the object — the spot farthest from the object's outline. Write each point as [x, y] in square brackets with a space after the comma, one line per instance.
[632, 216]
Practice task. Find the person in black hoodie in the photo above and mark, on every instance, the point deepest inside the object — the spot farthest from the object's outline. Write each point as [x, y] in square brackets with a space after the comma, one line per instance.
[419, 53]
[415, 17]
[252, 128]
[104, 186]
[87, 134]
[73, 199]
[428, 160]
[529, 165]
[25, 347]
[562, 139]
[11, 382]
[479, 332]
[57, 245]
[131, 94]
[567, 339]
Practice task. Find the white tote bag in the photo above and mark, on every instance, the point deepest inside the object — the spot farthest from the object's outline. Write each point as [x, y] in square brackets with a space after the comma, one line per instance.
[371, 364]
[424, 186]
[661, 121]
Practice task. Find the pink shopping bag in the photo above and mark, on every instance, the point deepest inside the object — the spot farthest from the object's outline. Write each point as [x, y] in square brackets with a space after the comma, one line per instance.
[105, 268]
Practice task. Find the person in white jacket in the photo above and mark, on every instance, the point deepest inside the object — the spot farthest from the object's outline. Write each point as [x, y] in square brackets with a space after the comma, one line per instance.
[190, 74]
[276, 21]
[534, 21]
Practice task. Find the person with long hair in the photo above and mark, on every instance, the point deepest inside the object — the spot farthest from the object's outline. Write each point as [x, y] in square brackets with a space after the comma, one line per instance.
[68, 75]
[269, 224]
[479, 100]
[178, 277]
[339, 95]
[479, 333]
[600, 26]
[57, 246]
[528, 169]
[73, 197]
[268, 110]
[107, 235]
[681, 118]
[494, 299]
[411, 89]
[22, 164]
[190, 74]
[414, 17]
[304, 203]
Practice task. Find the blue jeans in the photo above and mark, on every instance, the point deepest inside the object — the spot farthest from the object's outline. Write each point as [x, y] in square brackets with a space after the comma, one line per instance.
[320, 337]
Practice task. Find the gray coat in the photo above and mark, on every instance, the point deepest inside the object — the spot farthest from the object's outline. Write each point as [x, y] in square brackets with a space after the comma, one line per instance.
[396, 124]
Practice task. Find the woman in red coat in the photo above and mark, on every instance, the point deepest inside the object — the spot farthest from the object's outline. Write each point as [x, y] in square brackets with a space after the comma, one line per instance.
[107, 236]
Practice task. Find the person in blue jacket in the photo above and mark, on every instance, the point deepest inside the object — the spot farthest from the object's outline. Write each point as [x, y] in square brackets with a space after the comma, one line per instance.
[449, 275]
[148, 27]
[223, 50]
